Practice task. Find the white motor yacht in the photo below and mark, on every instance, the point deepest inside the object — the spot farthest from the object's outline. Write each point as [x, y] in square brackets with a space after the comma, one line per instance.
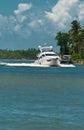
[47, 56]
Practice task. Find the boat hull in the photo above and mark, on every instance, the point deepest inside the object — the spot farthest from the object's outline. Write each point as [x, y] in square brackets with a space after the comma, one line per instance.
[47, 61]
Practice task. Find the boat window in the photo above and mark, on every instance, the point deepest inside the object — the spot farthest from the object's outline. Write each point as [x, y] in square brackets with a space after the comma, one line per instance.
[50, 54]
[42, 56]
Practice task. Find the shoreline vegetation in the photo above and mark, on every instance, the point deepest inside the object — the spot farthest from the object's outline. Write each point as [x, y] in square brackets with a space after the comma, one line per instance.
[80, 62]
[30, 54]
[71, 43]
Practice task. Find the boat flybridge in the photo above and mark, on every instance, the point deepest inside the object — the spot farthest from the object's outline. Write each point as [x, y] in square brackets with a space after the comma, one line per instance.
[47, 56]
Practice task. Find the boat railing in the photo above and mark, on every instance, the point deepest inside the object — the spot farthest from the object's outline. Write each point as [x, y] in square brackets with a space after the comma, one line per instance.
[45, 48]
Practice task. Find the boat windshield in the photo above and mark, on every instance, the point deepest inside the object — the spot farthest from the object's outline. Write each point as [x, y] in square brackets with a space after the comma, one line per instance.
[50, 54]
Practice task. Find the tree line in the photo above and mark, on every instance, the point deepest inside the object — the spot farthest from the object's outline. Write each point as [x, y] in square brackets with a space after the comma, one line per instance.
[72, 42]
[19, 54]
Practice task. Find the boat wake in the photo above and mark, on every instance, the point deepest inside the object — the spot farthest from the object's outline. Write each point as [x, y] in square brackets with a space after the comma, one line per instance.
[34, 64]
[64, 65]
[23, 64]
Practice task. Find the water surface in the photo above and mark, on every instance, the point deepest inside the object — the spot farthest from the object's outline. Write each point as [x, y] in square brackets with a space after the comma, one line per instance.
[34, 98]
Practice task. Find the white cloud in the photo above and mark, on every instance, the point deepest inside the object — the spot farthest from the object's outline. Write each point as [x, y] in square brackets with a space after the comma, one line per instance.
[81, 12]
[35, 23]
[15, 24]
[17, 27]
[21, 18]
[22, 7]
[20, 12]
[3, 24]
[63, 12]
[3, 19]
[40, 21]
[24, 23]
[32, 24]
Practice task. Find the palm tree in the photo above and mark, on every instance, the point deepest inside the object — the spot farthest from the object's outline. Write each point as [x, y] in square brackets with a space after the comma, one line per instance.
[81, 41]
[63, 42]
[74, 35]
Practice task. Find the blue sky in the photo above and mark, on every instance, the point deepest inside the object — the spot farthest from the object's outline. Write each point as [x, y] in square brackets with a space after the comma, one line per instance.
[28, 23]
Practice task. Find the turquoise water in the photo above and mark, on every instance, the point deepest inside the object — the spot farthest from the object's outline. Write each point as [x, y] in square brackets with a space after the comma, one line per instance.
[34, 98]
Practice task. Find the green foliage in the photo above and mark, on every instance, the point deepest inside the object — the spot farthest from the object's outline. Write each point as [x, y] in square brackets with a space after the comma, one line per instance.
[18, 54]
[72, 42]
[63, 41]
[75, 56]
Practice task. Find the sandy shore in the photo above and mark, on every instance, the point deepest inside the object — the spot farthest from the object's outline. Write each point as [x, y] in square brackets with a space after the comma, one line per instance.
[78, 62]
